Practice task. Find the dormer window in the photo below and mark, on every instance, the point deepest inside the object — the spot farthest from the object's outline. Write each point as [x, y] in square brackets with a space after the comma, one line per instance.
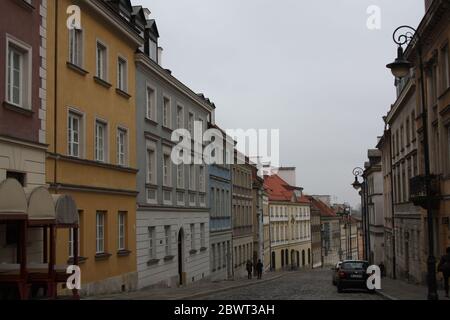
[153, 46]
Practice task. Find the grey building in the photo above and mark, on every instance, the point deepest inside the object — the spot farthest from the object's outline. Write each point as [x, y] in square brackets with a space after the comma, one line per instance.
[172, 227]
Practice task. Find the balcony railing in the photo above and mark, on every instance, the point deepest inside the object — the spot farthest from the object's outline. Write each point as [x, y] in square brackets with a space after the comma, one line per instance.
[418, 191]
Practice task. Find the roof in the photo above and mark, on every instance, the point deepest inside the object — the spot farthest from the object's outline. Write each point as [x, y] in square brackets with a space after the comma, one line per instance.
[324, 209]
[280, 190]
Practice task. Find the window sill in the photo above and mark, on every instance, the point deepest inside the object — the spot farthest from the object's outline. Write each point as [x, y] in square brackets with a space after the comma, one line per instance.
[152, 262]
[192, 252]
[102, 82]
[123, 253]
[123, 93]
[169, 258]
[153, 122]
[18, 109]
[25, 4]
[102, 256]
[167, 129]
[81, 260]
[76, 68]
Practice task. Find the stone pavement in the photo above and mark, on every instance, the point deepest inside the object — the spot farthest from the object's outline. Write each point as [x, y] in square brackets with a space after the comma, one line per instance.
[401, 290]
[194, 291]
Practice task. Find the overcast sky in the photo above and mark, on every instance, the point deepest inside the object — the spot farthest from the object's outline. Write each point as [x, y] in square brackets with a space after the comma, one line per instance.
[309, 68]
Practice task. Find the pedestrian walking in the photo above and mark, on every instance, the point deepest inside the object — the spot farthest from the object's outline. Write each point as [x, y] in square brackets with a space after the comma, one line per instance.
[444, 267]
[259, 269]
[249, 267]
[382, 269]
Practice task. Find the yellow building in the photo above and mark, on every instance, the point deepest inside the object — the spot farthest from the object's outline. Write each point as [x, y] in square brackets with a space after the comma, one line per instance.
[290, 225]
[91, 134]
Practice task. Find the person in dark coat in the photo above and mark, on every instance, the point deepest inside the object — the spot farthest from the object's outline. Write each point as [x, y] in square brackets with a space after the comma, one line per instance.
[444, 267]
[259, 269]
[382, 269]
[249, 268]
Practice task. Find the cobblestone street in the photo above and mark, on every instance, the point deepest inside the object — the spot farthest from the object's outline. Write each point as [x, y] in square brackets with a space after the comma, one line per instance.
[307, 285]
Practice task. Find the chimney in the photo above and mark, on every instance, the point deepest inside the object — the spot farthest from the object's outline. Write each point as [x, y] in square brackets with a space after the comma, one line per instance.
[147, 13]
[160, 52]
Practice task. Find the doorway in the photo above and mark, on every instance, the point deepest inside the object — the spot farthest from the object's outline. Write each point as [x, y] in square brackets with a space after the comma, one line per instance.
[273, 261]
[180, 256]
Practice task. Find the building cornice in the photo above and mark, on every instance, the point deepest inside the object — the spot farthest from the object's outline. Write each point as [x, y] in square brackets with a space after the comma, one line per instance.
[144, 61]
[397, 107]
[114, 19]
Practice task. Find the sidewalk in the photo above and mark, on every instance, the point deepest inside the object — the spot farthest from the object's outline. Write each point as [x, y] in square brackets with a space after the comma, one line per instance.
[195, 290]
[400, 290]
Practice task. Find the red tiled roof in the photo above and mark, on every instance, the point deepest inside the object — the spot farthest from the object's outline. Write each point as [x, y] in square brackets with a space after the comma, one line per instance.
[280, 190]
[325, 211]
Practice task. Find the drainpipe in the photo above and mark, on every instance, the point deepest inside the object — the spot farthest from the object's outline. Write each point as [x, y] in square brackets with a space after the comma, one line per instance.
[55, 93]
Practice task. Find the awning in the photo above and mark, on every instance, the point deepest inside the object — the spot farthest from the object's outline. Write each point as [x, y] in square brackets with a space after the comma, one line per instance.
[41, 206]
[13, 201]
[66, 210]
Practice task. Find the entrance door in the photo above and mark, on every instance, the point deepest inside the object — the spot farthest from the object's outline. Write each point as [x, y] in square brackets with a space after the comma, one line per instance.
[273, 261]
[180, 256]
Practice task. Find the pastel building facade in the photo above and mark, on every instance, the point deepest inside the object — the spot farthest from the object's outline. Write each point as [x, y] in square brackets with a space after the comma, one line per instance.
[173, 223]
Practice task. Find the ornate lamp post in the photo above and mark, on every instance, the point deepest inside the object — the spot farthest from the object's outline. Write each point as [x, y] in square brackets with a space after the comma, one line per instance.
[361, 187]
[406, 35]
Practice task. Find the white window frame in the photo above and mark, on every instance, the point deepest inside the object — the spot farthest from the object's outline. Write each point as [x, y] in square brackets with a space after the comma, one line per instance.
[192, 236]
[71, 242]
[180, 176]
[152, 242]
[201, 178]
[167, 166]
[25, 73]
[168, 117]
[191, 116]
[202, 235]
[101, 123]
[192, 180]
[101, 70]
[122, 231]
[100, 225]
[180, 121]
[167, 240]
[70, 136]
[151, 106]
[76, 56]
[122, 77]
[120, 154]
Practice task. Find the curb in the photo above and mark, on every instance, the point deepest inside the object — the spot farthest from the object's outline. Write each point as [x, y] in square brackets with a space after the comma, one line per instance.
[386, 296]
[206, 293]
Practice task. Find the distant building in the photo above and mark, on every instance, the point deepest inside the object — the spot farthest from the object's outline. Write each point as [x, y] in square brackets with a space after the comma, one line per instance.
[290, 224]
[330, 234]
[375, 206]
[316, 232]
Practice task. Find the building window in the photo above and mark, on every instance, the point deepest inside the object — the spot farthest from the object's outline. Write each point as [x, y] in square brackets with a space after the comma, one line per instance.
[202, 199]
[201, 179]
[18, 74]
[122, 147]
[19, 176]
[191, 177]
[152, 242]
[100, 141]
[100, 233]
[151, 104]
[180, 117]
[166, 113]
[151, 165]
[71, 242]
[191, 123]
[180, 198]
[192, 201]
[75, 47]
[102, 65]
[166, 170]
[167, 241]
[193, 236]
[151, 195]
[202, 235]
[167, 195]
[180, 176]
[74, 134]
[122, 74]
[122, 230]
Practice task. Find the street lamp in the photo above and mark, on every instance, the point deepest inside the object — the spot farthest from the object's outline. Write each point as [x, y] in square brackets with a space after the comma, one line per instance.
[406, 35]
[361, 187]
